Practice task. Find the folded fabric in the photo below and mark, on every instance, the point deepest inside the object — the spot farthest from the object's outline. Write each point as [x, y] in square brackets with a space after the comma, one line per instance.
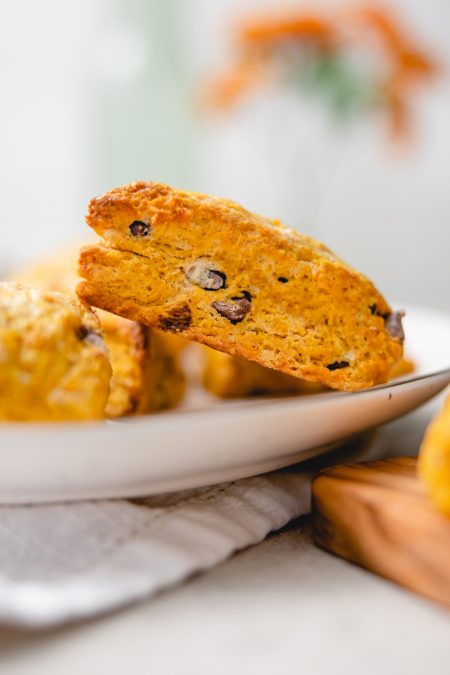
[63, 562]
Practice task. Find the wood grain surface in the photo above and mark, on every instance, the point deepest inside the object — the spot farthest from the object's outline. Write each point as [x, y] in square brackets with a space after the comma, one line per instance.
[377, 515]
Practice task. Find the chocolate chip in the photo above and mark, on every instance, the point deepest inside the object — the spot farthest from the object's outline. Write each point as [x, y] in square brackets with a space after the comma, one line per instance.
[375, 311]
[208, 279]
[82, 332]
[244, 294]
[133, 405]
[139, 228]
[337, 365]
[394, 326]
[85, 333]
[283, 280]
[233, 311]
[217, 280]
[177, 320]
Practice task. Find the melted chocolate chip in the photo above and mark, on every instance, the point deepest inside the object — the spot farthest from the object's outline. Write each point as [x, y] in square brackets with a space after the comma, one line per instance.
[283, 280]
[244, 294]
[233, 311]
[85, 333]
[139, 229]
[208, 279]
[394, 326]
[133, 405]
[217, 280]
[82, 331]
[375, 311]
[337, 365]
[177, 320]
[144, 336]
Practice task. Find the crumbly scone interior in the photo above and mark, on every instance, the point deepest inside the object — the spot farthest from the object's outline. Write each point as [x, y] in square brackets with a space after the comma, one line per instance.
[286, 301]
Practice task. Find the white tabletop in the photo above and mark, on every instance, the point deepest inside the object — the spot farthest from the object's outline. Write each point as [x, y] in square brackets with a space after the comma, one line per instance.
[280, 607]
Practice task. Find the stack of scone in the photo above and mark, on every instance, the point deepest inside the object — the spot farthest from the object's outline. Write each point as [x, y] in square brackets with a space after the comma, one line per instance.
[277, 312]
[146, 374]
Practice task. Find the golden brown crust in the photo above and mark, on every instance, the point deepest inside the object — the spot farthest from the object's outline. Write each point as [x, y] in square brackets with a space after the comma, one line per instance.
[434, 459]
[54, 363]
[129, 352]
[288, 303]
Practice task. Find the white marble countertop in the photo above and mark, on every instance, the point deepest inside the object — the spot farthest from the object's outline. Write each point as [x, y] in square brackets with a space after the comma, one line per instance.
[280, 607]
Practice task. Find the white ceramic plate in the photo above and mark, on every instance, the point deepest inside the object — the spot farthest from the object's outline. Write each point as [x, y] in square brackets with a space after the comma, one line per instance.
[190, 448]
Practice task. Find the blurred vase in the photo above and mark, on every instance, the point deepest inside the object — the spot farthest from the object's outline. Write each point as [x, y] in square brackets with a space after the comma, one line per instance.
[140, 113]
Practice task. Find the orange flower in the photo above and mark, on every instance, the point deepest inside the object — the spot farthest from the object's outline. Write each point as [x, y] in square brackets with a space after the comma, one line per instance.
[275, 28]
[229, 85]
[259, 41]
[394, 39]
[407, 64]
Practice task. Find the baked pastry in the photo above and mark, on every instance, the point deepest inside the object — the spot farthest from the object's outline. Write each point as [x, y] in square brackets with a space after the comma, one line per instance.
[401, 368]
[146, 374]
[434, 459]
[207, 269]
[54, 363]
[228, 376]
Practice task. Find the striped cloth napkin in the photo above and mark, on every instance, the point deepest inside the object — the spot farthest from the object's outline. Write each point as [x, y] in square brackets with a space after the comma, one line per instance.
[65, 562]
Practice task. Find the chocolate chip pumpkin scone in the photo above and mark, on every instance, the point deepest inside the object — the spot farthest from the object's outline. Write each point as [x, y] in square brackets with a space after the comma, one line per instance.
[54, 365]
[146, 374]
[207, 269]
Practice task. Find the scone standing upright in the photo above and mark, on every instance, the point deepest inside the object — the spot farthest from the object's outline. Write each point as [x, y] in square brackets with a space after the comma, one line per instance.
[54, 365]
[146, 374]
[207, 269]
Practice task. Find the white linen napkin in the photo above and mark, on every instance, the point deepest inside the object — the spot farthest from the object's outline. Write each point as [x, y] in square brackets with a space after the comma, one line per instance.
[63, 562]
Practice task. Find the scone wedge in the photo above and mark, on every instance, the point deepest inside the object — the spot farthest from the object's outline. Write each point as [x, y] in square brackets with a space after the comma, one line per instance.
[207, 269]
[54, 364]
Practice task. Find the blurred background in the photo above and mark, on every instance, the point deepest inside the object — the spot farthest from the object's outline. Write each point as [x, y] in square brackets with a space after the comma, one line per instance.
[332, 116]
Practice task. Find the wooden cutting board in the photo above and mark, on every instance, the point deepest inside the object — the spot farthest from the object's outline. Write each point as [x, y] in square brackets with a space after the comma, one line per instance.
[377, 515]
